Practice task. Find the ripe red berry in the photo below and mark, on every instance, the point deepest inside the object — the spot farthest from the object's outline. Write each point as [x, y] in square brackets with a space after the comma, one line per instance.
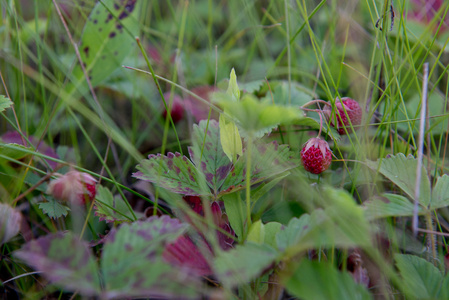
[353, 110]
[177, 109]
[316, 156]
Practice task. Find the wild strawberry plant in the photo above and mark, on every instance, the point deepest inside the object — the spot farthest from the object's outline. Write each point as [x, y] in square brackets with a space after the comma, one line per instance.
[183, 183]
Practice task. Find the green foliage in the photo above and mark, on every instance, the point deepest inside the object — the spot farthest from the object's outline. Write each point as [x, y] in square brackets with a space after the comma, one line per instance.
[230, 139]
[131, 262]
[314, 280]
[243, 263]
[65, 260]
[229, 134]
[107, 39]
[235, 209]
[4, 103]
[332, 226]
[256, 118]
[422, 280]
[401, 171]
[390, 205]
[111, 209]
[178, 174]
[53, 209]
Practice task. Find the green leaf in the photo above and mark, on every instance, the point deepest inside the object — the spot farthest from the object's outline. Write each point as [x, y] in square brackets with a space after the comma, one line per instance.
[401, 171]
[235, 209]
[65, 260]
[111, 209]
[132, 264]
[252, 86]
[421, 279]
[299, 95]
[259, 117]
[271, 230]
[4, 103]
[230, 139]
[265, 187]
[267, 161]
[333, 226]
[14, 153]
[208, 155]
[10, 220]
[107, 39]
[390, 205]
[53, 208]
[314, 280]
[440, 193]
[243, 263]
[233, 89]
[172, 172]
[256, 233]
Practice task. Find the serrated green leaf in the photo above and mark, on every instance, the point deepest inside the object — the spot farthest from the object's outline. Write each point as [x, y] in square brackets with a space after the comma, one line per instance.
[132, 264]
[259, 117]
[233, 88]
[10, 221]
[391, 205]
[53, 208]
[230, 139]
[4, 103]
[421, 279]
[267, 161]
[440, 193]
[314, 280]
[173, 172]
[243, 263]
[65, 260]
[252, 86]
[401, 171]
[299, 95]
[333, 226]
[107, 39]
[111, 209]
[213, 164]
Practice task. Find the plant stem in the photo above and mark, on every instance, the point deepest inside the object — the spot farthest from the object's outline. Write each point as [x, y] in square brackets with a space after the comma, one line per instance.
[248, 182]
[431, 242]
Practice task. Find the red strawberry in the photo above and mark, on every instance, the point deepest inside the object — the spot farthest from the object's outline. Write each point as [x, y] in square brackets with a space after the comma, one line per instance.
[74, 187]
[316, 156]
[353, 110]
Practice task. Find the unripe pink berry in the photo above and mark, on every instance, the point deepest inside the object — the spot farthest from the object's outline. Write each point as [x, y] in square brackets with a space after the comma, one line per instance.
[74, 187]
